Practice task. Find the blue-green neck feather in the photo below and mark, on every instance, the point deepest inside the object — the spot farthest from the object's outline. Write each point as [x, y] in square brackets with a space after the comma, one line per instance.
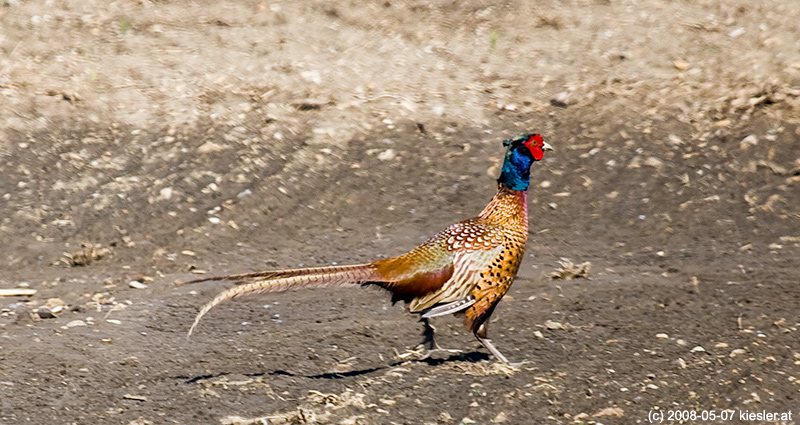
[516, 173]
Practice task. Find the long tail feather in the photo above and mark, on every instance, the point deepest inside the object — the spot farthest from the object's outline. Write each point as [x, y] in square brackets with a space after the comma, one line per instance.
[263, 275]
[279, 281]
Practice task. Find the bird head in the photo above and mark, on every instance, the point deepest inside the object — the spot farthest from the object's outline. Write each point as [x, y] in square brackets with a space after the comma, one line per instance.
[521, 152]
[534, 143]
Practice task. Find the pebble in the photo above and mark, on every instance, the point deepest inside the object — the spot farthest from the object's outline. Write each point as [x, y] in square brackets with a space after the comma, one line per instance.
[553, 325]
[74, 324]
[738, 351]
[738, 32]
[135, 284]
[500, 418]
[748, 141]
[45, 313]
[387, 155]
[165, 194]
[210, 147]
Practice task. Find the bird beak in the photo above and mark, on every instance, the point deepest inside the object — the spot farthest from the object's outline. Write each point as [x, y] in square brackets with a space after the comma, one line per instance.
[546, 146]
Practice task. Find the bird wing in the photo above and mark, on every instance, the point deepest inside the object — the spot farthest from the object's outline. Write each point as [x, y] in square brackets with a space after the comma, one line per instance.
[474, 246]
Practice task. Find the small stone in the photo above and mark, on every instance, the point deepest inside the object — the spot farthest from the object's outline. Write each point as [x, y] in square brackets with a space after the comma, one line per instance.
[748, 141]
[698, 349]
[738, 32]
[75, 323]
[554, 325]
[135, 284]
[210, 147]
[387, 155]
[45, 313]
[561, 99]
[662, 336]
[500, 418]
[737, 352]
[721, 345]
[165, 194]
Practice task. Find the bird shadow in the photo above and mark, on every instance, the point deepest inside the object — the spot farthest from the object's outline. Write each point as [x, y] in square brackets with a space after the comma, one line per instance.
[472, 357]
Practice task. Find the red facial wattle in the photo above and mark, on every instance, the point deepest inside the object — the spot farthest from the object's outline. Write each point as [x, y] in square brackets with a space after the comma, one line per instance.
[535, 143]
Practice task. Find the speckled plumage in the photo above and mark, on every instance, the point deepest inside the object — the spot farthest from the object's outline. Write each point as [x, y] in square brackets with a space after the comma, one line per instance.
[465, 269]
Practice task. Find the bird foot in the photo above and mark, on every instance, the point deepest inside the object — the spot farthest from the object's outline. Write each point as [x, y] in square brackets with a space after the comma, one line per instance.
[423, 352]
[437, 348]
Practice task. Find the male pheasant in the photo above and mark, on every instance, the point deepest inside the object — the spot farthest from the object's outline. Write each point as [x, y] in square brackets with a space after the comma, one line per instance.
[464, 269]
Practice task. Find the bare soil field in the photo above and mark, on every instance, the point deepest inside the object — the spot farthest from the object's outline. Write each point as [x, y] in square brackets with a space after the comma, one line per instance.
[147, 143]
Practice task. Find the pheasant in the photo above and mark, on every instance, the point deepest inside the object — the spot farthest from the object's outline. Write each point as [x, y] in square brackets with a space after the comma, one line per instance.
[465, 269]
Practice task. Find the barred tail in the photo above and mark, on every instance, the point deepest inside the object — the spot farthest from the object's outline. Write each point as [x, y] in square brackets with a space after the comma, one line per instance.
[279, 281]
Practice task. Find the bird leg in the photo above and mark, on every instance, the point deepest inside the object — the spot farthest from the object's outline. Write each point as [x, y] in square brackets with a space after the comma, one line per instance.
[428, 334]
[429, 342]
[481, 334]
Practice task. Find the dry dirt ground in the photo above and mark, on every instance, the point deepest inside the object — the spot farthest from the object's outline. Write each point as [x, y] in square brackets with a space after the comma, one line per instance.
[146, 143]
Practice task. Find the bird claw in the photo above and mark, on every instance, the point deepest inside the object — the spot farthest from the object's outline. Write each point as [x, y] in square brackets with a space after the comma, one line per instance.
[424, 352]
[436, 348]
